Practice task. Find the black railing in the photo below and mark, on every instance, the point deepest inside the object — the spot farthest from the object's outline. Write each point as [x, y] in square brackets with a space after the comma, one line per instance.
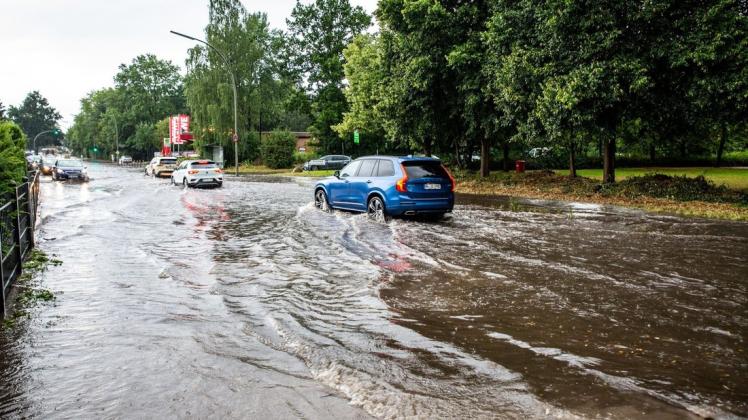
[18, 212]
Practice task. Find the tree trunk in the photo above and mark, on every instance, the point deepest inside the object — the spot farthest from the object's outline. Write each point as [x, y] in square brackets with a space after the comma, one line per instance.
[609, 159]
[572, 161]
[505, 158]
[651, 153]
[722, 141]
[485, 158]
[427, 147]
[683, 151]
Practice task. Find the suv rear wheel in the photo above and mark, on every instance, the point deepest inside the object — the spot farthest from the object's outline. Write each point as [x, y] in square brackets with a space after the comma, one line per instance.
[376, 209]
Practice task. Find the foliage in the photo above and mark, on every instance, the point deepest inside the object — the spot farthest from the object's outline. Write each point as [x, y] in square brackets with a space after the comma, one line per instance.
[35, 116]
[364, 72]
[2, 111]
[278, 149]
[12, 161]
[133, 114]
[250, 48]
[318, 33]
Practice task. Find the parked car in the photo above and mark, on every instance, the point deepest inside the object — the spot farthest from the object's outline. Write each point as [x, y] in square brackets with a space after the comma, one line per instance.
[33, 162]
[198, 173]
[125, 159]
[389, 186]
[537, 152]
[47, 164]
[327, 163]
[72, 169]
[161, 166]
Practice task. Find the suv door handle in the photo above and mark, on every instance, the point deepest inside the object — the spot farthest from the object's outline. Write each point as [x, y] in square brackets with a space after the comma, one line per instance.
[368, 182]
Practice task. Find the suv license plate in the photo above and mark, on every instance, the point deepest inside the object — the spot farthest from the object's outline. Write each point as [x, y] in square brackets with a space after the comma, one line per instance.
[432, 186]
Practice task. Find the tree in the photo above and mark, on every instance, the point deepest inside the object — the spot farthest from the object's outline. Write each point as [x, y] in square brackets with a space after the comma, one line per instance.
[151, 88]
[12, 162]
[419, 103]
[35, 116]
[250, 47]
[365, 75]
[317, 35]
[2, 111]
[480, 117]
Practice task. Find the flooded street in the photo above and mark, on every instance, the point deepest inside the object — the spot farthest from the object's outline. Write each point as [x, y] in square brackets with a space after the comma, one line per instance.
[247, 302]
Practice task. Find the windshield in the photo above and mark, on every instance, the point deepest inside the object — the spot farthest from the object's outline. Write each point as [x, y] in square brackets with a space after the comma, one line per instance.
[204, 165]
[70, 163]
[168, 162]
[425, 169]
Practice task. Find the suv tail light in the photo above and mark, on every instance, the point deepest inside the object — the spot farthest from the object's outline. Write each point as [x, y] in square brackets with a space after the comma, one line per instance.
[193, 172]
[402, 184]
[451, 178]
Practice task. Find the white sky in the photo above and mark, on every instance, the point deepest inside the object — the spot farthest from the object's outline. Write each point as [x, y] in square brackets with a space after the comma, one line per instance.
[67, 48]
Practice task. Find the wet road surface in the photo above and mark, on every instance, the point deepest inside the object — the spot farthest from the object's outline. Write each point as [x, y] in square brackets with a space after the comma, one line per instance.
[246, 302]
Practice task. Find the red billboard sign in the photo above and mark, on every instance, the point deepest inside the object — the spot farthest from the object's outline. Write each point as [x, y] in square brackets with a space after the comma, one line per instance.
[178, 126]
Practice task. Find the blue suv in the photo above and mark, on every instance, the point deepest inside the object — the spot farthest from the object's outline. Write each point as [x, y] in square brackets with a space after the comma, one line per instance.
[388, 186]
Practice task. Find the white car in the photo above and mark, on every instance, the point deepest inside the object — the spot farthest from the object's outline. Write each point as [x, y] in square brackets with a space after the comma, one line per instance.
[161, 166]
[198, 173]
[125, 159]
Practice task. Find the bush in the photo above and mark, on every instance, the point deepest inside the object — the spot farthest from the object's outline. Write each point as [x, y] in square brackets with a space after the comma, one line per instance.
[277, 150]
[12, 160]
[304, 157]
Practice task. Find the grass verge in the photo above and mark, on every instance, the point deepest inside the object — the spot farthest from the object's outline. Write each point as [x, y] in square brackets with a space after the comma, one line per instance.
[682, 195]
[735, 178]
[30, 292]
[264, 170]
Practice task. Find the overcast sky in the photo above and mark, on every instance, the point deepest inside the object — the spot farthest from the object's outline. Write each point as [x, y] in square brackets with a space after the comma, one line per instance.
[67, 48]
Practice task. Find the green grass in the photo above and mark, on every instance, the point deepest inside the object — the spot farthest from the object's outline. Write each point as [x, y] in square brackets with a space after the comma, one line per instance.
[733, 178]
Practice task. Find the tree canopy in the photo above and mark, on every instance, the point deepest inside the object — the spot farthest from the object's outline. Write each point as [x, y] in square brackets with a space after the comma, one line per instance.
[35, 115]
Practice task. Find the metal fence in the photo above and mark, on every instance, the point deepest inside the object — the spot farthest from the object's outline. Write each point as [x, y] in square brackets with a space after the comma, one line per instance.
[18, 212]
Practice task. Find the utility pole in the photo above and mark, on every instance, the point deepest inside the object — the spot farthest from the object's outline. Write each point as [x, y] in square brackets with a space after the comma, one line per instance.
[233, 84]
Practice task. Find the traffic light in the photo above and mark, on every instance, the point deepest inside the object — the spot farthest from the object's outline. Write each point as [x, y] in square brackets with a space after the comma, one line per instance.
[56, 132]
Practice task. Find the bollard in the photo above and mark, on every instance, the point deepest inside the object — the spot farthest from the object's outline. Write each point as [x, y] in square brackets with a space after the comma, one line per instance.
[519, 166]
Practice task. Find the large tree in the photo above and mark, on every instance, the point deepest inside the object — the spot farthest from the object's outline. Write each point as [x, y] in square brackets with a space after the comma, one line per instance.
[2, 111]
[249, 46]
[420, 102]
[35, 115]
[318, 33]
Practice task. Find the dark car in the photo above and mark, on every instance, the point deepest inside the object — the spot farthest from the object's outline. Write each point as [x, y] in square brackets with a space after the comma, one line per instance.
[387, 185]
[69, 169]
[328, 162]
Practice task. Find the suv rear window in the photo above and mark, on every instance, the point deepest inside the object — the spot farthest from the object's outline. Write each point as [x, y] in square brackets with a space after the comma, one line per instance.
[204, 165]
[168, 162]
[424, 169]
[386, 168]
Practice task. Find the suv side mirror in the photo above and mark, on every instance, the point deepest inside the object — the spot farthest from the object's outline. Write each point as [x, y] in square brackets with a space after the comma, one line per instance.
[336, 174]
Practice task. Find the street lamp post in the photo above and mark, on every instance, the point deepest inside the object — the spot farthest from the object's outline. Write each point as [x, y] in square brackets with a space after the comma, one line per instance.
[233, 84]
[37, 136]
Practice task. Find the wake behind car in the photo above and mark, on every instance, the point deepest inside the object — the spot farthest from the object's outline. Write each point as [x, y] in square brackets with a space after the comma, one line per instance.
[328, 162]
[389, 186]
[71, 169]
[161, 166]
[198, 173]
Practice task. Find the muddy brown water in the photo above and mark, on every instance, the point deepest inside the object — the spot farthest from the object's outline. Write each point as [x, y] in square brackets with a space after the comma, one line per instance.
[246, 302]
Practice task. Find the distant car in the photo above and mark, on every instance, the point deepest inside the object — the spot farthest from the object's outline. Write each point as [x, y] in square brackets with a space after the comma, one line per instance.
[125, 159]
[33, 162]
[161, 166]
[72, 169]
[328, 162]
[388, 186]
[47, 164]
[198, 173]
[537, 152]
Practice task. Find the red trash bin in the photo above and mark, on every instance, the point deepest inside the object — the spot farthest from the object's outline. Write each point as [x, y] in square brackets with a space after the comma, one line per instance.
[519, 166]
